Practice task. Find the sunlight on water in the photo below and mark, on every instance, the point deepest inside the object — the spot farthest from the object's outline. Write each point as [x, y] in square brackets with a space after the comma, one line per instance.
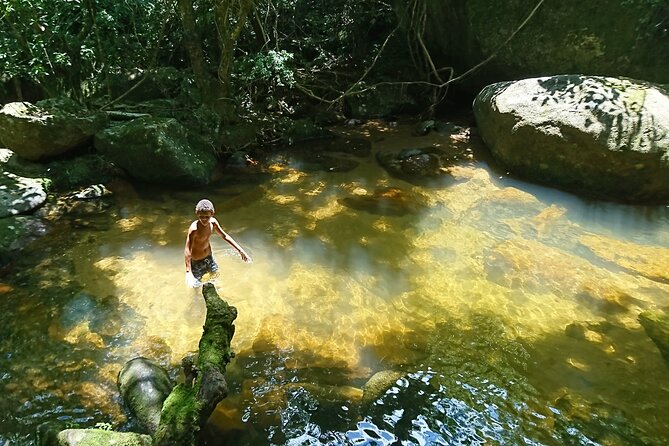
[526, 295]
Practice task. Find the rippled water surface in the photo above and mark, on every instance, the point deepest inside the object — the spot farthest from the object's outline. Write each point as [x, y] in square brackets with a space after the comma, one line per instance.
[492, 311]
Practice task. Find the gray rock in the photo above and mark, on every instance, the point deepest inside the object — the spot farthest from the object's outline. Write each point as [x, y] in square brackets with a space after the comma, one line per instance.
[35, 133]
[19, 195]
[91, 192]
[598, 136]
[144, 386]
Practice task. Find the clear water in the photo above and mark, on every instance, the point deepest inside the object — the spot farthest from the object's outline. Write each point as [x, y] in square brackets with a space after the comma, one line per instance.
[496, 312]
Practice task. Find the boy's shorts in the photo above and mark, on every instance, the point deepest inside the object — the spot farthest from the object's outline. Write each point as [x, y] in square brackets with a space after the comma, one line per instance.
[200, 267]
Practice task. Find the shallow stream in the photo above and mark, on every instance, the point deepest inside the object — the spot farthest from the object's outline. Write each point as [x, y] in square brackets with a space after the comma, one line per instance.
[492, 311]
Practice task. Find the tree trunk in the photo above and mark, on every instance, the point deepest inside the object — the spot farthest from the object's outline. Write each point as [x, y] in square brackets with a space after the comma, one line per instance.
[231, 16]
[205, 82]
[190, 404]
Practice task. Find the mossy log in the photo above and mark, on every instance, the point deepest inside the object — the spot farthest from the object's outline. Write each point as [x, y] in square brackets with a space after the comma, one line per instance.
[191, 403]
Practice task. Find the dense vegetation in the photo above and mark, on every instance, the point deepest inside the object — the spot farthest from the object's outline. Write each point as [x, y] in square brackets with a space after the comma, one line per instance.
[234, 56]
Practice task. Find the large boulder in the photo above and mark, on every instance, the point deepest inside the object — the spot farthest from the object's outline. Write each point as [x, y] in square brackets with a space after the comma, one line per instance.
[607, 37]
[599, 136]
[37, 132]
[157, 150]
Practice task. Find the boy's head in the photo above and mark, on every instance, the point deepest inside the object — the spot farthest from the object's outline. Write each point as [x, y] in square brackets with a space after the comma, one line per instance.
[204, 206]
[204, 209]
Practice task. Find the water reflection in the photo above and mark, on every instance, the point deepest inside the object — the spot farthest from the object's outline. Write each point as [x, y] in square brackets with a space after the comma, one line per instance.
[484, 311]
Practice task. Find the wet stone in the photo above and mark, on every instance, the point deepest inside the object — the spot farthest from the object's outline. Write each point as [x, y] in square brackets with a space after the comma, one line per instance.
[656, 324]
[417, 165]
[390, 201]
[377, 385]
[19, 195]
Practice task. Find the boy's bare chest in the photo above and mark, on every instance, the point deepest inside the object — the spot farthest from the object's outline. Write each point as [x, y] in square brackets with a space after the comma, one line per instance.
[202, 233]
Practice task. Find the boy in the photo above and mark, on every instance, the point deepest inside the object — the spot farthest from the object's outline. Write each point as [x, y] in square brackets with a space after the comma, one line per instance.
[197, 253]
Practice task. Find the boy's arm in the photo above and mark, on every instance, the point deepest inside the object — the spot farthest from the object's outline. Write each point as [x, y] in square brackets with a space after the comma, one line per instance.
[187, 251]
[228, 238]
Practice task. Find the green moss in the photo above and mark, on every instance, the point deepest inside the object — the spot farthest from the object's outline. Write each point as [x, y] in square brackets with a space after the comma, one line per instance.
[187, 408]
[179, 418]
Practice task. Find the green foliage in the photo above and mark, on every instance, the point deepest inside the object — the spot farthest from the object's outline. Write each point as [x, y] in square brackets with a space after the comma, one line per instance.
[656, 22]
[59, 45]
[82, 48]
[270, 67]
[323, 47]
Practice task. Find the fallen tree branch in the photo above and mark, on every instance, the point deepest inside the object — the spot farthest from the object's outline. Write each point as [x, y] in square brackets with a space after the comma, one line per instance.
[190, 404]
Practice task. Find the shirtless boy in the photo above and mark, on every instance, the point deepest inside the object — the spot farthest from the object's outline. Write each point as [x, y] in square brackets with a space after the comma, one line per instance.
[197, 253]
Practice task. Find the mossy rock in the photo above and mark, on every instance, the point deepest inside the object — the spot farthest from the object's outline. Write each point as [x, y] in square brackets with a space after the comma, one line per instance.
[100, 437]
[17, 232]
[157, 150]
[38, 133]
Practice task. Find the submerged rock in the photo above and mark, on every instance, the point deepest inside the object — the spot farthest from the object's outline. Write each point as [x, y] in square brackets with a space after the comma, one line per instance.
[420, 165]
[377, 385]
[656, 324]
[648, 261]
[391, 201]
